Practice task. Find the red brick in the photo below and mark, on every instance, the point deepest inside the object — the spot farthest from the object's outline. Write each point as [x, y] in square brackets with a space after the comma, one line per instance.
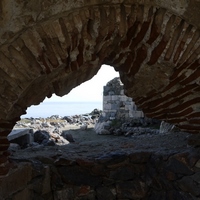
[4, 171]
[4, 140]
[5, 133]
[3, 147]
[3, 159]
[83, 190]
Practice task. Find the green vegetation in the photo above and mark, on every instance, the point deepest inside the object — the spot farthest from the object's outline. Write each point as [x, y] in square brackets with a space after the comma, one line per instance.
[116, 123]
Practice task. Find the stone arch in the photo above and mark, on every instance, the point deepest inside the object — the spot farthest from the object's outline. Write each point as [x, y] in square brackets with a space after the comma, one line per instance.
[155, 50]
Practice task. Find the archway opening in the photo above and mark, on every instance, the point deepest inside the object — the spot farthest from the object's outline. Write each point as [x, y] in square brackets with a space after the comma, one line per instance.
[81, 107]
[80, 100]
[155, 46]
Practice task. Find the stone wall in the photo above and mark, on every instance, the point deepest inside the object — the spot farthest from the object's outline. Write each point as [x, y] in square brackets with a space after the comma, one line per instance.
[142, 175]
[116, 104]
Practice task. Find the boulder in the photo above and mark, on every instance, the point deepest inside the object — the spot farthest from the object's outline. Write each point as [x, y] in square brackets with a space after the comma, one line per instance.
[84, 127]
[166, 127]
[67, 136]
[41, 136]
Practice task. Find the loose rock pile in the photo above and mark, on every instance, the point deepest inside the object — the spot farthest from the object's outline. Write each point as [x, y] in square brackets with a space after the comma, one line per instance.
[54, 130]
[51, 131]
[132, 127]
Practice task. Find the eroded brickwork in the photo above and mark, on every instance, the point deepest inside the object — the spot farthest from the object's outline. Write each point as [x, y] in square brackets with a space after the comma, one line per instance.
[52, 46]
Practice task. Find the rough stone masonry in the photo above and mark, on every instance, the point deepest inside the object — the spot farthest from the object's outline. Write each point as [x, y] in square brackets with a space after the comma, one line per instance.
[51, 47]
[116, 104]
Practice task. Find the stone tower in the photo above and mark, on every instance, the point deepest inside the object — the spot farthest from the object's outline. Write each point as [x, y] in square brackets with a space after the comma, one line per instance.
[116, 104]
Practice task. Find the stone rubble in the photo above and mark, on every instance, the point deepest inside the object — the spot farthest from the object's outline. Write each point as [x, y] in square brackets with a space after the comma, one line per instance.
[51, 131]
[121, 116]
[135, 167]
[131, 127]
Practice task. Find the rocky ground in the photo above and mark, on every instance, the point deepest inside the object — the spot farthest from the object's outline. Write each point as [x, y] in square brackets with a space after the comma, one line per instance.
[77, 136]
[77, 158]
[90, 145]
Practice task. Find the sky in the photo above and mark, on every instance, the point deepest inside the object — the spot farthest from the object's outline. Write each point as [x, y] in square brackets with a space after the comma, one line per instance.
[91, 90]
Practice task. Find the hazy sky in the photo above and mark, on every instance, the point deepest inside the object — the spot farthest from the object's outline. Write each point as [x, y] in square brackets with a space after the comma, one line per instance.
[91, 90]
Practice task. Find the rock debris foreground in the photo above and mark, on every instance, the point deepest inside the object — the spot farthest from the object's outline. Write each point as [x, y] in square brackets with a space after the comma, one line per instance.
[154, 167]
[50, 131]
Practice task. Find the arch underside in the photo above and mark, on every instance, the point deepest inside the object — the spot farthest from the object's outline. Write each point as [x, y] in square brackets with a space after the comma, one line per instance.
[155, 52]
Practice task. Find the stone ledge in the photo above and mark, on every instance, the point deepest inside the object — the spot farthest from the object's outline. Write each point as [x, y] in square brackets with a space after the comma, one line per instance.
[139, 175]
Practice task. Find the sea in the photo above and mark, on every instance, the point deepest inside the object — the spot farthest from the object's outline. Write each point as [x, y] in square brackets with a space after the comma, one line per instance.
[47, 109]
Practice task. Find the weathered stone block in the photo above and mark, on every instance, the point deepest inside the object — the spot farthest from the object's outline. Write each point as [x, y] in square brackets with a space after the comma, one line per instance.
[16, 181]
[24, 194]
[178, 167]
[140, 157]
[136, 114]
[132, 190]
[21, 136]
[190, 184]
[107, 106]
[114, 97]
[123, 173]
[105, 193]
[67, 193]
[197, 164]
[114, 107]
[107, 98]
[78, 176]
